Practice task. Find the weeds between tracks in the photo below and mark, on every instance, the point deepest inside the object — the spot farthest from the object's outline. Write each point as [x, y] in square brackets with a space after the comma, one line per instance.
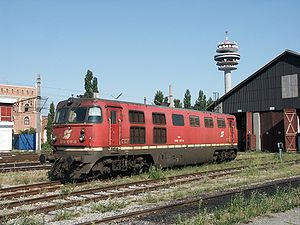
[241, 210]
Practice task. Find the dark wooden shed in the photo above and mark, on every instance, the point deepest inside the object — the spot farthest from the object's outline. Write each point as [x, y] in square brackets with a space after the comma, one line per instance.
[267, 105]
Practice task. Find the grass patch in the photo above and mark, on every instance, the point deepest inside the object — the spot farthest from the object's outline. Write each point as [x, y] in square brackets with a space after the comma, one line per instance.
[66, 215]
[155, 173]
[241, 210]
[27, 220]
[67, 189]
[111, 205]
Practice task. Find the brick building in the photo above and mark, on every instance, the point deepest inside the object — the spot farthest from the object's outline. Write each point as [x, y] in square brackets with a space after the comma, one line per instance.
[24, 109]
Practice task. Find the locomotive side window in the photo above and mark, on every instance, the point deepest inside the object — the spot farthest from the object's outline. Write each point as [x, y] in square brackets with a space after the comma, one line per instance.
[194, 121]
[221, 123]
[177, 120]
[94, 115]
[77, 115]
[208, 122]
[159, 118]
[61, 115]
[136, 117]
[137, 135]
[159, 135]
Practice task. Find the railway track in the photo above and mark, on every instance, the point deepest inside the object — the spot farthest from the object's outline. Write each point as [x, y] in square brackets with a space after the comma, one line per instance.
[81, 197]
[24, 166]
[212, 200]
[18, 157]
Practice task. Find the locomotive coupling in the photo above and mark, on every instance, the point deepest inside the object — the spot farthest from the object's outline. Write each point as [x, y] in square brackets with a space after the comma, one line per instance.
[46, 158]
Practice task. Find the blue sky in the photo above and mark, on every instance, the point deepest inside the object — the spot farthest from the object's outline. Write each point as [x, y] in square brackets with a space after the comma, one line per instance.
[137, 47]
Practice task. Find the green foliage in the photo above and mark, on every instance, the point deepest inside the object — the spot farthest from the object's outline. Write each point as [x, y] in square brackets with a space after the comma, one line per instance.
[155, 173]
[209, 102]
[200, 103]
[187, 100]
[50, 123]
[88, 86]
[166, 100]
[67, 189]
[112, 205]
[177, 103]
[158, 98]
[95, 85]
[31, 130]
[241, 210]
[47, 148]
[27, 220]
[66, 215]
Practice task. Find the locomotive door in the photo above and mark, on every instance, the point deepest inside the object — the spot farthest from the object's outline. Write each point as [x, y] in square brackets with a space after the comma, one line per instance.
[231, 131]
[114, 133]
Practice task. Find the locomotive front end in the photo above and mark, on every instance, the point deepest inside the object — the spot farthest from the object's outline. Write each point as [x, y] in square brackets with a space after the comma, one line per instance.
[75, 126]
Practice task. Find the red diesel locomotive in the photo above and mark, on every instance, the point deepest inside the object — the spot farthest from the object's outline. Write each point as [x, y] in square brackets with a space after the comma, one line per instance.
[99, 138]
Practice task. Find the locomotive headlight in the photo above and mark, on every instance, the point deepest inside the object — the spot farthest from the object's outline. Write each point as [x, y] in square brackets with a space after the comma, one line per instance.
[81, 138]
[82, 135]
[54, 138]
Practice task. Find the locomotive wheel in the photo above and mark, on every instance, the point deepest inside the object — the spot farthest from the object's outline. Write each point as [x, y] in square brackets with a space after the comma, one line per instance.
[216, 157]
[232, 155]
[223, 156]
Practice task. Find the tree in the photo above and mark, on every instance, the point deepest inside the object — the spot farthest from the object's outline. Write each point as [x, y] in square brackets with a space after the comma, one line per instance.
[177, 103]
[49, 123]
[166, 100]
[187, 99]
[209, 102]
[88, 86]
[158, 98]
[200, 103]
[95, 85]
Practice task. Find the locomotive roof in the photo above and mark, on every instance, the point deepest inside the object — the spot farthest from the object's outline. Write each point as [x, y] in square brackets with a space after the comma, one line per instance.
[133, 103]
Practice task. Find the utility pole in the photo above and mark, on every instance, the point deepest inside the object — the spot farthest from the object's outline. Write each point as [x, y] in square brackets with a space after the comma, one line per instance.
[38, 114]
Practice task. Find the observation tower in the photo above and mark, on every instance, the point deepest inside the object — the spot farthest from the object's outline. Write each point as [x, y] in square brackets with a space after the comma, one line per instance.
[227, 59]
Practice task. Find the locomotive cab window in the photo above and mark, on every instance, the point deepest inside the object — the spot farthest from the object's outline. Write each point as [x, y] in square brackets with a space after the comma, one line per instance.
[77, 115]
[194, 121]
[159, 118]
[61, 115]
[137, 117]
[94, 115]
[221, 123]
[208, 122]
[177, 120]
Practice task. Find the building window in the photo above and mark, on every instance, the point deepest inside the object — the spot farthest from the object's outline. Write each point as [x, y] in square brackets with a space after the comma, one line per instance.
[137, 135]
[289, 86]
[26, 107]
[177, 120]
[208, 122]
[221, 123]
[26, 120]
[136, 117]
[159, 118]
[194, 121]
[5, 113]
[159, 135]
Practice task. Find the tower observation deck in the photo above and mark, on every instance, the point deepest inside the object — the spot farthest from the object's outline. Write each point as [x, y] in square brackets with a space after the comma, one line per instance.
[227, 59]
